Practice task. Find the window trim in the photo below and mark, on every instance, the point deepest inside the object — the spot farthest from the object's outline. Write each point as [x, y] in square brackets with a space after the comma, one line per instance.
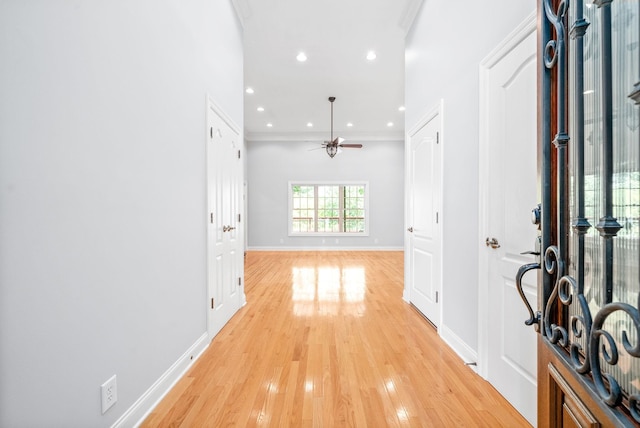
[327, 183]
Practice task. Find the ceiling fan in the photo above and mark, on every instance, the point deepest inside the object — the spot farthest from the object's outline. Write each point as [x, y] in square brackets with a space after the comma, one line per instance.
[333, 146]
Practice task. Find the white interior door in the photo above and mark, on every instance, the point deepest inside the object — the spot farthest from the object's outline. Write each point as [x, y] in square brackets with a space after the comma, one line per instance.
[423, 221]
[509, 193]
[224, 232]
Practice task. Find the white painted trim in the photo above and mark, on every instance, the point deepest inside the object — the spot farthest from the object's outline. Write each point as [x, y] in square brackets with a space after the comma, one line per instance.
[436, 111]
[137, 413]
[459, 346]
[325, 249]
[218, 110]
[317, 137]
[409, 15]
[507, 45]
[243, 10]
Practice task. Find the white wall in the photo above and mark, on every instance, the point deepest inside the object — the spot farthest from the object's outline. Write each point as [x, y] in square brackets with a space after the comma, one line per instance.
[443, 52]
[102, 196]
[271, 165]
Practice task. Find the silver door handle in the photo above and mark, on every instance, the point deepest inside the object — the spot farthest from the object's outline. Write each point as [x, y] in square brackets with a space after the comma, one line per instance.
[227, 228]
[493, 243]
[410, 229]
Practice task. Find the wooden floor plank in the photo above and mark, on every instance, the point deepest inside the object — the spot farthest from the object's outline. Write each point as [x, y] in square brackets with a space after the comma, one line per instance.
[326, 340]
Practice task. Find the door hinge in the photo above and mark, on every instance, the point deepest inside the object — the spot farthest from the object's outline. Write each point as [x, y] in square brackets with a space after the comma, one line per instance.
[211, 218]
[437, 138]
[436, 297]
[211, 132]
[238, 218]
[239, 281]
[437, 217]
[238, 154]
[212, 305]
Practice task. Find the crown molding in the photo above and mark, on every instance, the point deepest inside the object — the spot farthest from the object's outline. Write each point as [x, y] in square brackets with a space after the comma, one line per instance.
[387, 136]
[409, 15]
[243, 10]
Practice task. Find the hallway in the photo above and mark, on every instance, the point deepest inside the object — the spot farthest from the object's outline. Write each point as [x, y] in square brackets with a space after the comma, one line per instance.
[326, 340]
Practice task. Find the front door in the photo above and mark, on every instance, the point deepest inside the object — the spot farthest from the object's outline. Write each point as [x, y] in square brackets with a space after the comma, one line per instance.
[508, 171]
[224, 232]
[589, 147]
[423, 216]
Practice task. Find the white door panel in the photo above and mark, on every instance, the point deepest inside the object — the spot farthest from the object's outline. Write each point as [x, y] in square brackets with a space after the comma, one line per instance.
[424, 236]
[224, 247]
[510, 193]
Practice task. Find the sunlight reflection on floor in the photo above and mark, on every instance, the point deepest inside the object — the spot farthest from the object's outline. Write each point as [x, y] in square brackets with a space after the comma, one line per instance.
[328, 290]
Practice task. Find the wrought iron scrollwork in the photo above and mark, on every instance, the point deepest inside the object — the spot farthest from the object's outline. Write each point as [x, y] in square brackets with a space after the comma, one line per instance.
[555, 47]
[566, 289]
[554, 266]
[610, 390]
[588, 361]
[593, 349]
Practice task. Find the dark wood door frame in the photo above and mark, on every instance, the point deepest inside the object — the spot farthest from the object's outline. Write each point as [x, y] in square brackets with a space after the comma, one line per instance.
[567, 394]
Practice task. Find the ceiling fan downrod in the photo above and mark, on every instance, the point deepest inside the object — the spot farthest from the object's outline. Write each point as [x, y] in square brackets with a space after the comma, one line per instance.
[331, 100]
[332, 149]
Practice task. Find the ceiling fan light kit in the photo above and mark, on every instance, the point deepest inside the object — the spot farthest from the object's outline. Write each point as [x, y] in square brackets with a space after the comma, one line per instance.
[333, 146]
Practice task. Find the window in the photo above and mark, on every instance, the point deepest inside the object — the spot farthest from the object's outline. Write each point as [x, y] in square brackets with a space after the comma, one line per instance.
[328, 208]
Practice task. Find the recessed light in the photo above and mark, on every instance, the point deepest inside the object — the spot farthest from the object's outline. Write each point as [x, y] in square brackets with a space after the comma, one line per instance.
[249, 90]
[260, 109]
[301, 57]
[349, 124]
[401, 108]
[371, 55]
[269, 125]
[390, 124]
[309, 124]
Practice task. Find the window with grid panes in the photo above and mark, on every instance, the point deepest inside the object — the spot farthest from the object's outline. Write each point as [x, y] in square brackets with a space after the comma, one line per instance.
[328, 208]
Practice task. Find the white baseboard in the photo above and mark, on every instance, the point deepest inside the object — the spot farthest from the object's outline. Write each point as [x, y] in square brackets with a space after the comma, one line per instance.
[137, 413]
[325, 249]
[468, 355]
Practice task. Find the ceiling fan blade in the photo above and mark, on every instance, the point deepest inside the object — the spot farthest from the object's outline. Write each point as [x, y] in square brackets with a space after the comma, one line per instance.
[352, 146]
[338, 141]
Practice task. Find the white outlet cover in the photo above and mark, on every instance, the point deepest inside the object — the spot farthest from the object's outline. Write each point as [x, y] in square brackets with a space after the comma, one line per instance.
[109, 393]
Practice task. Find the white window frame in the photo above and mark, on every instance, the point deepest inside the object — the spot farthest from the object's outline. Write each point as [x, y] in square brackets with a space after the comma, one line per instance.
[328, 183]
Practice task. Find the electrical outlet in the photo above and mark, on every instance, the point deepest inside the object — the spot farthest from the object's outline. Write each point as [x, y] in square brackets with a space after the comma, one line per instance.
[109, 391]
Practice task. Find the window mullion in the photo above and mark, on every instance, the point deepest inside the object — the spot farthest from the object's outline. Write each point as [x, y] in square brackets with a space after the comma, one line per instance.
[315, 208]
[341, 210]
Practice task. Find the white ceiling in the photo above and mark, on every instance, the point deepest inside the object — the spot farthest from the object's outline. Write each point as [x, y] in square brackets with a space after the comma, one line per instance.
[336, 36]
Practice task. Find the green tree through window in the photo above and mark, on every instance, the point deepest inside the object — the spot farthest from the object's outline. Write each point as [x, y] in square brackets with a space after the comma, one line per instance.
[328, 208]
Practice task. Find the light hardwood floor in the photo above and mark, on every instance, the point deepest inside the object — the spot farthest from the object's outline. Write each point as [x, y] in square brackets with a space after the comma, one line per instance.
[326, 340]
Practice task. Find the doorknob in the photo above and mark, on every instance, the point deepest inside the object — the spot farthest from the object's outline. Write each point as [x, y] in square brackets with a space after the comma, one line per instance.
[493, 243]
[227, 228]
[410, 229]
